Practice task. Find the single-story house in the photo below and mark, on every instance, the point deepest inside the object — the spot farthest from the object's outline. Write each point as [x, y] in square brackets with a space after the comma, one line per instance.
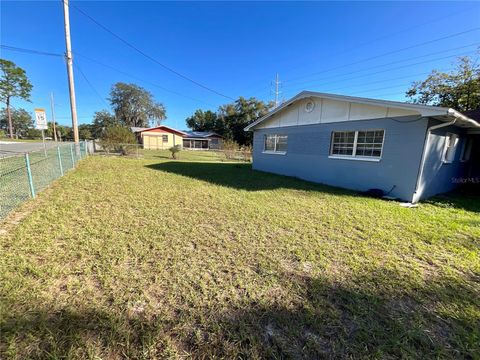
[408, 151]
[202, 140]
[160, 137]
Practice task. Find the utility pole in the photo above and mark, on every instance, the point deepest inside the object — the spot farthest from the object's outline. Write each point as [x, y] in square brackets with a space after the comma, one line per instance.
[52, 105]
[71, 86]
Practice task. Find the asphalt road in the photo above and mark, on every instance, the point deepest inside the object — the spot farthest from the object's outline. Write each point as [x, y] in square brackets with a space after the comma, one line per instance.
[12, 148]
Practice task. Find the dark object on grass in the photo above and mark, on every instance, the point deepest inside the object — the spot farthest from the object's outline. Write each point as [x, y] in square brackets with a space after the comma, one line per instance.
[376, 193]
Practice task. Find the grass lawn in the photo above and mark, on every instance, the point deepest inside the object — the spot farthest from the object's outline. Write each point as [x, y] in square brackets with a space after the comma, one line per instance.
[152, 258]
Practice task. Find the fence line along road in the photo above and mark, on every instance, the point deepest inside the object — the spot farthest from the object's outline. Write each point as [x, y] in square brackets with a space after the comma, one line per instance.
[22, 176]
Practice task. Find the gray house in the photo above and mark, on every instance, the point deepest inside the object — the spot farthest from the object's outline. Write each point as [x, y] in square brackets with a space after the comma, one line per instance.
[408, 151]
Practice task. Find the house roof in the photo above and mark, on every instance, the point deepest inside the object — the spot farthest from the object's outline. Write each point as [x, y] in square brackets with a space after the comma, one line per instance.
[441, 113]
[137, 129]
[164, 128]
[201, 134]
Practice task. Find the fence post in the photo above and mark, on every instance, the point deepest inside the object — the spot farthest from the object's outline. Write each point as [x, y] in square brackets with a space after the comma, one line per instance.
[60, 160]
[86, 148]
[71, 154]
[29, 174]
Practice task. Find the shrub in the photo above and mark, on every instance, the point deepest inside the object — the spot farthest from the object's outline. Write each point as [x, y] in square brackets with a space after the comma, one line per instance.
[118, 139]
[174, 150]
[229, 148]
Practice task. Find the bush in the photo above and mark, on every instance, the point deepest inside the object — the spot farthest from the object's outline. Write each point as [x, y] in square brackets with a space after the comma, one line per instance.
[233, 151]
[174, 150]
[229, 148]
[118, 139]
[3, 134]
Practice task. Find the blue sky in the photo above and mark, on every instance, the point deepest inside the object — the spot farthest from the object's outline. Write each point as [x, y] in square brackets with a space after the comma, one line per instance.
[370, 49]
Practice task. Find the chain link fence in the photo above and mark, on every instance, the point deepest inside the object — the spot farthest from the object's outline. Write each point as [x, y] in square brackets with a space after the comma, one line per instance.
[138, 151]
[22, 176]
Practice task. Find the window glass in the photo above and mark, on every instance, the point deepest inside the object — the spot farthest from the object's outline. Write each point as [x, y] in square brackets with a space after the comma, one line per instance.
[368, 143]
[269, 142]
[343, 142]
[281, 143]
[451, 142]
[276, 143]
[165, 138]
[467, 149]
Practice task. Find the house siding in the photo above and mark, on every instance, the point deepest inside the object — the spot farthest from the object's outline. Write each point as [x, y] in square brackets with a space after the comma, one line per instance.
[153, 140]
[439, 177]
[308, 153]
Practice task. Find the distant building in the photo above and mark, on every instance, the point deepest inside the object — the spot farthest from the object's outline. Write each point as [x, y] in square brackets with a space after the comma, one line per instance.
[408, 151]
[164, 137]
[202, 140]
[159, 137]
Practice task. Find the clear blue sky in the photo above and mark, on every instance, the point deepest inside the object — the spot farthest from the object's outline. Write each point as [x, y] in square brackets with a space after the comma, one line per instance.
[236, 48]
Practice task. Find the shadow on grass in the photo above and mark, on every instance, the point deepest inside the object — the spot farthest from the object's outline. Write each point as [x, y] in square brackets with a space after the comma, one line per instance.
[465, 197]
[241, 176]
[328, 321]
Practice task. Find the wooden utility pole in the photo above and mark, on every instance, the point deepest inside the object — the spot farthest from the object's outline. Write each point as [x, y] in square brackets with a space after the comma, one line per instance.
[9, 117]
[71, 86]
[54, 127]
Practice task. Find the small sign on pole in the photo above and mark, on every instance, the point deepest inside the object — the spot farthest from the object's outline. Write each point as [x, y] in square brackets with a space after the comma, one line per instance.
[40, 119]
[41, 124]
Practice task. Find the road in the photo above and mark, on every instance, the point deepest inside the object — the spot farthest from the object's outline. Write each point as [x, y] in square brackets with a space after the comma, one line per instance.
[11, 148]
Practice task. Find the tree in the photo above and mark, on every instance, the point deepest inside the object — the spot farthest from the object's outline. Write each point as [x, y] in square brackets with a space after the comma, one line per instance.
[102, 120]
[459, 89]
[205, 121]
[13, 83]
[85, 131]
[117, 138]
[231, 119]
[238, 115]
[135, 106]
[19, 123]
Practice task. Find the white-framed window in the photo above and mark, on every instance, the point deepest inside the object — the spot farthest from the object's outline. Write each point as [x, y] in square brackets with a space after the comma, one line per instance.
[466, 149]
[451, 142]
[275, 143]
[165, 138]
[360, 144]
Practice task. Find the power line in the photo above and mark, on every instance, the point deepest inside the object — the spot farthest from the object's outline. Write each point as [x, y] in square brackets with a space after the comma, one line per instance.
[390, 52]
[141, 79]
[382, 71]
[91, 85]
[394, 34]
[29, 51]
[148, 56]
[36, 52]
[393, 62]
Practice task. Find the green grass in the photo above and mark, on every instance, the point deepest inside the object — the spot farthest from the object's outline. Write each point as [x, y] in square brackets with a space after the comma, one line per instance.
[153, 258]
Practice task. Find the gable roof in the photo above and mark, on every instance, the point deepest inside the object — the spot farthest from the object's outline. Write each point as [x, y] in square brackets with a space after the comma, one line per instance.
[164, 128]
[443, 113]
[137, 129]
[201, 134]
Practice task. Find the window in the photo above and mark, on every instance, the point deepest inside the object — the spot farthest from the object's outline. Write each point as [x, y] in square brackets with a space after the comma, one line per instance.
[165, 138]
[451, 141]
[357, 144]
[276, 143]
[466, 149]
